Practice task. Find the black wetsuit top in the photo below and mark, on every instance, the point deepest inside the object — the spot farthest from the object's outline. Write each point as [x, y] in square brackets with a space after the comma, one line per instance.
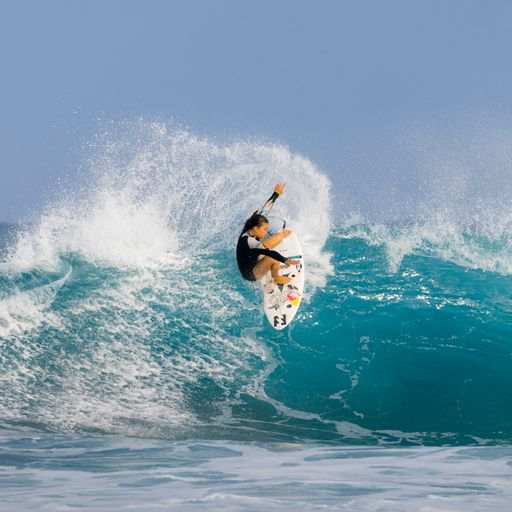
[247, 256]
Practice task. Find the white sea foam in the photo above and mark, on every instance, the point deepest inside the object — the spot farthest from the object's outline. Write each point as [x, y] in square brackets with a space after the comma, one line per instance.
[480, 242]
[235, 477]
[23, 311]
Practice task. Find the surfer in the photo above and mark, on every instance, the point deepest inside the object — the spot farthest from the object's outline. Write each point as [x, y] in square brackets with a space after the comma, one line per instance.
[254, 253]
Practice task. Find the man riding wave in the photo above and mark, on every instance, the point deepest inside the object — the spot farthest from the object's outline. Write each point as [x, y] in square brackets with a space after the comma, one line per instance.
[254, 253]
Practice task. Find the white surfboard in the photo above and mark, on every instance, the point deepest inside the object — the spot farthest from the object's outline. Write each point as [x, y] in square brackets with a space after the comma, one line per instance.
[281, 302]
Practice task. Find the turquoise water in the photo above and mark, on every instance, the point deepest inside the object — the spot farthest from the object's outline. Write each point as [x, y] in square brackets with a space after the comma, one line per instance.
[417, 356]
[137, 368]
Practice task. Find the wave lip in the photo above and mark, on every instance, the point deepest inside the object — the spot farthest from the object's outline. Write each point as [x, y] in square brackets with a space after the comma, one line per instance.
[156, 195]
[479, 243]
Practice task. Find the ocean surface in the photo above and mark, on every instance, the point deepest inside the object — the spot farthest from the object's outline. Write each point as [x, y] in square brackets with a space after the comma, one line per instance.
[137, 371]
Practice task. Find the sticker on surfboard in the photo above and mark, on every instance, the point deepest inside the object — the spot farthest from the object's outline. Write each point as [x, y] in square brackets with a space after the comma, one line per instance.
[281, 302]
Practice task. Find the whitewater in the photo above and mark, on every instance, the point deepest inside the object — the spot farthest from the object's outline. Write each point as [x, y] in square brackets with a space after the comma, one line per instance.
[137, 370]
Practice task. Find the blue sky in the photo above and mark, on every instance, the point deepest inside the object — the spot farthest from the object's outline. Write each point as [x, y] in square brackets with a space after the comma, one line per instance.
[338, 81]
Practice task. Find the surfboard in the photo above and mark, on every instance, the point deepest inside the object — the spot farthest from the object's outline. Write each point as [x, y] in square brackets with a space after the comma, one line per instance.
[281, 302]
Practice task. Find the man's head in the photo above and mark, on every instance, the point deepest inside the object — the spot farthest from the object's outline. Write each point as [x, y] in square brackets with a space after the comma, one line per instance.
[257, 225]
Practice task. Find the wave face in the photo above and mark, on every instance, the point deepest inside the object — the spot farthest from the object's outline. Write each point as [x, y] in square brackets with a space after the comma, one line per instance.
[122, 311]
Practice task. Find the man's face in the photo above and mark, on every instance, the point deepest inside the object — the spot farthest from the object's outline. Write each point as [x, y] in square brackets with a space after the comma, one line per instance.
[261, 231]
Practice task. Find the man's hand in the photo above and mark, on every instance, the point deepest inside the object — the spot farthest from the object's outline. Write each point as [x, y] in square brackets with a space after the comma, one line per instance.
[292, 262]
[276, 238]
[279, 188]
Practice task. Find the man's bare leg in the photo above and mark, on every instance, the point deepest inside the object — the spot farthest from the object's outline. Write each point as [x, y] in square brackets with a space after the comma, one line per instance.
[278, 279]
[264, 265]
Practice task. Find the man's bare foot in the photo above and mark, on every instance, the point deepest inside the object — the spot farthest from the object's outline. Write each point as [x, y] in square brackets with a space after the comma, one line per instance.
[282, 279]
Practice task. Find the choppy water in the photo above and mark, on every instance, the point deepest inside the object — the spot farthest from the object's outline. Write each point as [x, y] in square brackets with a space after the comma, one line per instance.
[55, 472]
[135, 363]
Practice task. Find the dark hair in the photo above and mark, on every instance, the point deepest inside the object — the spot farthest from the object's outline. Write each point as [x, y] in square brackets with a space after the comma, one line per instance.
[255, 220]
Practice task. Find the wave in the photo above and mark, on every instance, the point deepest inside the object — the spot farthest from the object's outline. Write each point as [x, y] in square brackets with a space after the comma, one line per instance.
[480, 242]
[149, 313]
[122, 311]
